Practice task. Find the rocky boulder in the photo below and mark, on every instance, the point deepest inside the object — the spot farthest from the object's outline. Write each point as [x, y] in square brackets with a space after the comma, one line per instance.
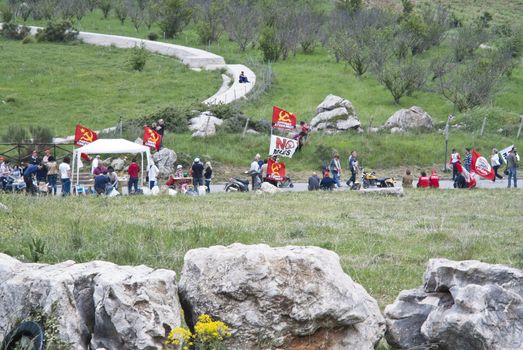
[289, 297]
[97, 304]
[204, 124]
[409, 119]
[269, 188]
[165, 159]
[335, 114]
[118, 164]
[465, 305]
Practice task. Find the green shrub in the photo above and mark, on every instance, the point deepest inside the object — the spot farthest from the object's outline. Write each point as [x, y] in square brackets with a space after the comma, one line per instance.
[14, 31]
[176, 118]
[28, 40]
[15, 134]
[152, 36]
[138, 58]
[41, 134]
[175, 15]
[6, 14]
[269, 44]
[60, 31]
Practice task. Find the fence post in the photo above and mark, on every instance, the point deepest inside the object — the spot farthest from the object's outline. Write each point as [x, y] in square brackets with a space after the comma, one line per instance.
[245, 127]
[520, 126]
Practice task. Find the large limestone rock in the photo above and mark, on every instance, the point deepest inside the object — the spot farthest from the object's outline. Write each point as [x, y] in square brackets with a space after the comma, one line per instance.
[118, 164]
[269, 188]
[465, 305]
[288, 297]
[409, 119]
[335, 114]
[204, 124]
[97, 304]
[165, 159]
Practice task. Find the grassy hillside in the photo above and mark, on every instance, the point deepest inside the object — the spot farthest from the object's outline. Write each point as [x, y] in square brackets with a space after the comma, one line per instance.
[58, 85]
[384, 243]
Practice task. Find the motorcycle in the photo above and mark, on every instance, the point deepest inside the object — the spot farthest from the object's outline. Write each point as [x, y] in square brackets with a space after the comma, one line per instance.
[236, 184]
[371, 180]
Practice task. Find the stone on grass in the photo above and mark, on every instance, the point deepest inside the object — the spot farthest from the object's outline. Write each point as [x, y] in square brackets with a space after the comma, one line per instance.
[204, 125]
[335, 114]
[286, 298]
[165, 160]
[465, 305]
[414, 118]
[269, 188]
[4, 208]
[118, 164]
[97, 304]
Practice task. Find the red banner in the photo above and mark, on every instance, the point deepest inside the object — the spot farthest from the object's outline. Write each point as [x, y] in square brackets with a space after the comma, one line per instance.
[275, 170]
[481, 166]
[84, 136]
[281, 119]
[151, 138]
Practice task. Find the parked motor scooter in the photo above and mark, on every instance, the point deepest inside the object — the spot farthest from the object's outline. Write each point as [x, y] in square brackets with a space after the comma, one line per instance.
[371, 180]
[236, 184]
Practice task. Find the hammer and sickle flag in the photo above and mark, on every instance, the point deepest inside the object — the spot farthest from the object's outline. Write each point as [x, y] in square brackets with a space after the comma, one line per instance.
[151, 138]
[84, 136]
[275, 170]
[281, 119]
[481, 166]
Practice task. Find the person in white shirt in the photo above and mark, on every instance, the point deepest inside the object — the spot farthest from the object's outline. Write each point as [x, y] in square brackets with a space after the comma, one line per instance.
[94, 163]
[152, 173]
[65, 176]
[495, 162]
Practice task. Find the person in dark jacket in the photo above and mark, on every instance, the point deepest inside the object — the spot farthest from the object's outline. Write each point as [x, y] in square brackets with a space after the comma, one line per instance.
[314, 182]
[29, 172]
[327, 183]
[100, 183]
[197, 173]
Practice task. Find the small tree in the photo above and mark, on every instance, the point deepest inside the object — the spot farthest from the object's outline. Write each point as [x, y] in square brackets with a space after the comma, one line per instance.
[175, 15]
[209, 14]
[350, 6]
[121, 10]
[135, 12]
[105, 6]
[138, 57]
[241, 20]
[269, 44]
[466, 40]
[403, 77]
[15, 134]
[151, 13]
[41, 134]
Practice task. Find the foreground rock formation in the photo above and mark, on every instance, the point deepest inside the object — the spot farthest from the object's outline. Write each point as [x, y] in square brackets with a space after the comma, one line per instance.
[335, 114]
[165, 159]
[467, 305]
[286, 298]
[414, 118]
[204, 124]
[97, 304]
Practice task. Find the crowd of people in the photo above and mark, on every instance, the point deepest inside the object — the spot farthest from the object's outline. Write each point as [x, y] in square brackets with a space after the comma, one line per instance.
[46, 170]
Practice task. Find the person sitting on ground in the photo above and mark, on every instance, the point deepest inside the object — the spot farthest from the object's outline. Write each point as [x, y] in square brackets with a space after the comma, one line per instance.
[408, 179]
[113, 180]
[100, 168]
[423, 181]
[314, 182]
[243, 78]
[434, 179]
[100, 183]
[327, 183]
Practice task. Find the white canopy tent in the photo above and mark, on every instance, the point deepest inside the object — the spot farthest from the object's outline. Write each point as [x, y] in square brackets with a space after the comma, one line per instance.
[110, 146]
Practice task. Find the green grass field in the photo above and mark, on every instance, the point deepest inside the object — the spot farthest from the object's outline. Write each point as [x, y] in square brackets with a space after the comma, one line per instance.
[57, 85]
[384, 243]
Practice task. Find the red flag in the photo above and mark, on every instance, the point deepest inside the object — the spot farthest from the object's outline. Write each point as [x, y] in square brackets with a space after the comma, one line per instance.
[84, 136]
[481, 166]
[151, 138]
[281, 119]
[275, 170]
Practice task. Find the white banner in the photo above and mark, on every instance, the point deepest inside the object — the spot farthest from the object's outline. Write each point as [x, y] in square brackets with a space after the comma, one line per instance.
[282, 146]
[504, 152]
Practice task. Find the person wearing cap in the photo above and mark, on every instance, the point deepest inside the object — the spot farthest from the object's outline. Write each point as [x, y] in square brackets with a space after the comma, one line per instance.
[327, 183]
[94, 164]
[179, 171]
[512, 167]
[197, 173]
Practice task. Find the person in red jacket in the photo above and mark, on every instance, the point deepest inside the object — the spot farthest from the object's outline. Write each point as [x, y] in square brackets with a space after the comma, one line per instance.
[133, 170]
[434, 179]
[423, 181]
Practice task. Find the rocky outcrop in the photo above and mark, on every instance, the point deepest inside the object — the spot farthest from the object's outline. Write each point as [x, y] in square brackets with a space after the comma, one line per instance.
[204, 125]
[414, 118]
[288, 297]
[118, 164]
[335, 114]
[466, 305]
[269, 188]
[165, 159]
[97, 304]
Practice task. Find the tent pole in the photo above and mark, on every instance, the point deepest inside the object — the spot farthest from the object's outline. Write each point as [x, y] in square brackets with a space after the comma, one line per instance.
[142, 170]
[72, 167]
